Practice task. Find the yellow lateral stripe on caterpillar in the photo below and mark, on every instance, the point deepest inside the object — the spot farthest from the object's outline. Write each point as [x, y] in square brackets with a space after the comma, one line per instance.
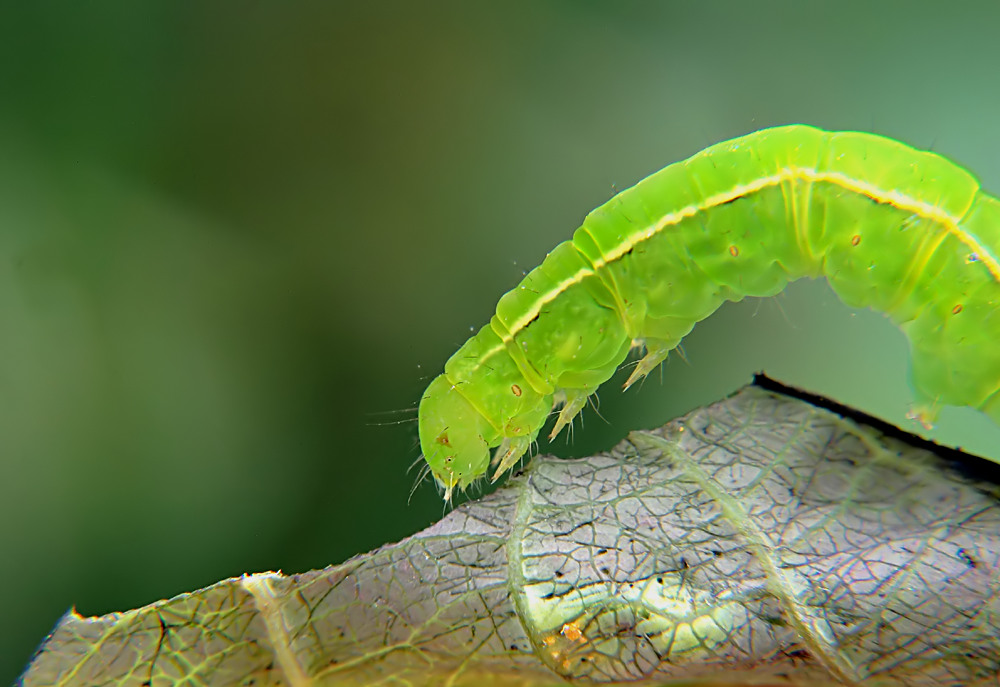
[900, 201]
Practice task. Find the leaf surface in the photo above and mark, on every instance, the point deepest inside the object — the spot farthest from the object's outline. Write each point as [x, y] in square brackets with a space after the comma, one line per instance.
[759, 540]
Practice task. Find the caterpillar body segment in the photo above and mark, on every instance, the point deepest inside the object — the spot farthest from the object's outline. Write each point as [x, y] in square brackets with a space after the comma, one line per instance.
[905, 232]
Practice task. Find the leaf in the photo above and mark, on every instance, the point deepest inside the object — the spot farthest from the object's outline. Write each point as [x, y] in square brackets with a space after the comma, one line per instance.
[761, 539]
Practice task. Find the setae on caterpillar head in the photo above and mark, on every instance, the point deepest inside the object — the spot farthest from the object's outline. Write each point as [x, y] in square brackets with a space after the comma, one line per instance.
[453, 436]
[481, 402]
[456, 437]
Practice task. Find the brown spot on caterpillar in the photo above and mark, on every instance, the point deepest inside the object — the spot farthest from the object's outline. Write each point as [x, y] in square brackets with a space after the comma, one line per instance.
[443, 439]
[734, 251]
[856, 239]
[515, 389]
[957, 309]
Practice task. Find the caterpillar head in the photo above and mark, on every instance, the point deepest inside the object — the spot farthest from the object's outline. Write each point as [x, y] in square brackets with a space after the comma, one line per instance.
[454, 436]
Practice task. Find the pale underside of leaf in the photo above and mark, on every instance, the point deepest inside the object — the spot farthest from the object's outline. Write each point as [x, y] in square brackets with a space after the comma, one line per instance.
[759, 540]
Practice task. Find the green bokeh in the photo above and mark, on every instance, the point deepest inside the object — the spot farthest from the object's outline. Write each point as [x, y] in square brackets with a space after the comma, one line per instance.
[233, 234]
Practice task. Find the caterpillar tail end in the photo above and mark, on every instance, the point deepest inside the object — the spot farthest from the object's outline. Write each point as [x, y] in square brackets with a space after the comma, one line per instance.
[510, 451]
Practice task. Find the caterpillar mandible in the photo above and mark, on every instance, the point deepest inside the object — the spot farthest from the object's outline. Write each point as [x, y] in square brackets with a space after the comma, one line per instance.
[902, 231]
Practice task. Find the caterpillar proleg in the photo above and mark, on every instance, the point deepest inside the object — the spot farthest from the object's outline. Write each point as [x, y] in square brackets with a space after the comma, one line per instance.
[904, 232]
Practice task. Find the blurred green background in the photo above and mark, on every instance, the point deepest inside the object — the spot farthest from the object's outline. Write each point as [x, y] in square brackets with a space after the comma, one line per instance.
[235, 237]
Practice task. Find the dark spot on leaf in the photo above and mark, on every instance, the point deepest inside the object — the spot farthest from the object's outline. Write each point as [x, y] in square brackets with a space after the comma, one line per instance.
[967, 557]
[799, 653]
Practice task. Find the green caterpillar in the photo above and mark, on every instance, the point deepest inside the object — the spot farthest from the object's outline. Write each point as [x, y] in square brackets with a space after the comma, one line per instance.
[899, 230]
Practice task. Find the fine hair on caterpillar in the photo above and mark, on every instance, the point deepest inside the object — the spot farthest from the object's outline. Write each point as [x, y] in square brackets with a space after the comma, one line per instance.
[905, 232]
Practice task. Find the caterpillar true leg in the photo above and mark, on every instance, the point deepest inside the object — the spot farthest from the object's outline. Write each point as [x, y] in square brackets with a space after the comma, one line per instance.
[511, 451]
[576, 400]
[656, 353]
